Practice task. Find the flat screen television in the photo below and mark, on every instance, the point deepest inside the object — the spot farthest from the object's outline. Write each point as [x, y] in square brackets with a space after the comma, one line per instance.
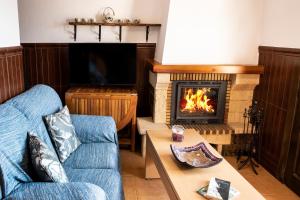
[102, 64]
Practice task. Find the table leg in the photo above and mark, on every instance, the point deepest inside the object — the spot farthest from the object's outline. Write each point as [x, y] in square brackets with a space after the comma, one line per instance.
[150, 168]
[219, 148]
[143, 146]
[133, 130]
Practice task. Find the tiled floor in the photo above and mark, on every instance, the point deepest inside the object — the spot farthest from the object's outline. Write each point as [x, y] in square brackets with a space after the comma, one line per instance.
[137, 188]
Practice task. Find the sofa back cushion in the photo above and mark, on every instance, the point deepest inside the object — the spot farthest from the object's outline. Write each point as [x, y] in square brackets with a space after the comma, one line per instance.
[39, 101]
[15, 162]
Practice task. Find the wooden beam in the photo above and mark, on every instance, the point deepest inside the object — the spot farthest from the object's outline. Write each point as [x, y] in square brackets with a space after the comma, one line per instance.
[217, 69]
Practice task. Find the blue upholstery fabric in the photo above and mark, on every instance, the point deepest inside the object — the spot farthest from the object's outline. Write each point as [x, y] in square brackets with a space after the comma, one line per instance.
[108, 179]
[95, 128]
[14, 157]
[13, 135]
[11, 175]
[39, 101]
[58, 191]
[94, 156]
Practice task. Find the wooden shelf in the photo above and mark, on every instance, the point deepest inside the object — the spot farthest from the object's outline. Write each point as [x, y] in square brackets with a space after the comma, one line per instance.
[111, 24]
[120, 25]
[217, 69]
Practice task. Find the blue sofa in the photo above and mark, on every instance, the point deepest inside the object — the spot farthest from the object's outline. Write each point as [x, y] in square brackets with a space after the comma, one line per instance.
[93, 169]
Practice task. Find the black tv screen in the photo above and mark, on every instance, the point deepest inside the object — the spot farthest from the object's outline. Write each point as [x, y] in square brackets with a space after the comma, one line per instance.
[102, 64]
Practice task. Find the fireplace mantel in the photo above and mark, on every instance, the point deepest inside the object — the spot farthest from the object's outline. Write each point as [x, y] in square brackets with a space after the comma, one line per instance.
[157, 67]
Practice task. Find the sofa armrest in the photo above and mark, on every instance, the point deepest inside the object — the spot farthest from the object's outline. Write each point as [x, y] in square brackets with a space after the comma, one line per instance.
[91, 128]
[57, 191]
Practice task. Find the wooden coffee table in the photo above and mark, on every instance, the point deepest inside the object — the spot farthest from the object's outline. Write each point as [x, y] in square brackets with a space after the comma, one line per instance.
[182, 183]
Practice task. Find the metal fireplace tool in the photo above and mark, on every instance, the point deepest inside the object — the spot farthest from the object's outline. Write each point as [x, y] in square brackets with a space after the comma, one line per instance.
[251, 140]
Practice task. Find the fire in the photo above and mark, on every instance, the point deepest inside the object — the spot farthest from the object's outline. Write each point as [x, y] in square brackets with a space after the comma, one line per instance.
[198, 101]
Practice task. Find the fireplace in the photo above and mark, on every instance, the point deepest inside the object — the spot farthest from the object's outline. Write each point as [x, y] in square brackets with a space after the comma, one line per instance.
[201, 102]
[217, 116]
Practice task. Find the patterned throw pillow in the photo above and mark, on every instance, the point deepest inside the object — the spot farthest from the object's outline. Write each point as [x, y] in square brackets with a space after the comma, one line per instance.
[62, 133]
[45, 161]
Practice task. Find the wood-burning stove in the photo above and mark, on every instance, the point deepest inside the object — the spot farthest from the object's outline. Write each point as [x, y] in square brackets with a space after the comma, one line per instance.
[201, 102]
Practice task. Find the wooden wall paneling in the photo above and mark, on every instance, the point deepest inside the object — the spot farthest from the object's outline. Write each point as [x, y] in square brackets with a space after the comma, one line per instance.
[144, 52]
[11, 72]
[274, 91]
[47, 64]
[28, 57]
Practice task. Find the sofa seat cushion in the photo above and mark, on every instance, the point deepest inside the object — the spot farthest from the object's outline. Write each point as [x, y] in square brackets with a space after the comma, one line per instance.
[108, 179]
[58, 191]
[94, 156]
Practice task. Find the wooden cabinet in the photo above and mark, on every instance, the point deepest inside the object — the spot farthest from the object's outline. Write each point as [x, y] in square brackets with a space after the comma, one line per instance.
[292, 171]
[119, 103]
[278, 93]
[274, 93]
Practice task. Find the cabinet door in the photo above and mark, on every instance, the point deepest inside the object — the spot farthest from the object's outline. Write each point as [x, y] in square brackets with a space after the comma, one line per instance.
[292, 175]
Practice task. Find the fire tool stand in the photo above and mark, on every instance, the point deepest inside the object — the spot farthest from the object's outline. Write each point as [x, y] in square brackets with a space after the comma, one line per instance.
[252, 124]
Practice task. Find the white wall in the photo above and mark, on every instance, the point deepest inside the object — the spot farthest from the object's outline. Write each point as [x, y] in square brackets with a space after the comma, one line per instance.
[281, 23]
[46, 20]
[212, 32]
[160, 47]
[9, 23]
[192, 32]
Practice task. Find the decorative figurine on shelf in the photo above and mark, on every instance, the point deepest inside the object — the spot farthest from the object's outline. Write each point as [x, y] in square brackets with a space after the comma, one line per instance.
[126, 21]
[252, 125]
[136, 21]
[91, 20]
[108, 15]
[118, 21]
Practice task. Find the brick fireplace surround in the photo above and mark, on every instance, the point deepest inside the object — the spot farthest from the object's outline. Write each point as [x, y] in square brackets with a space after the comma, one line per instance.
[241, 81]
[239, 94]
